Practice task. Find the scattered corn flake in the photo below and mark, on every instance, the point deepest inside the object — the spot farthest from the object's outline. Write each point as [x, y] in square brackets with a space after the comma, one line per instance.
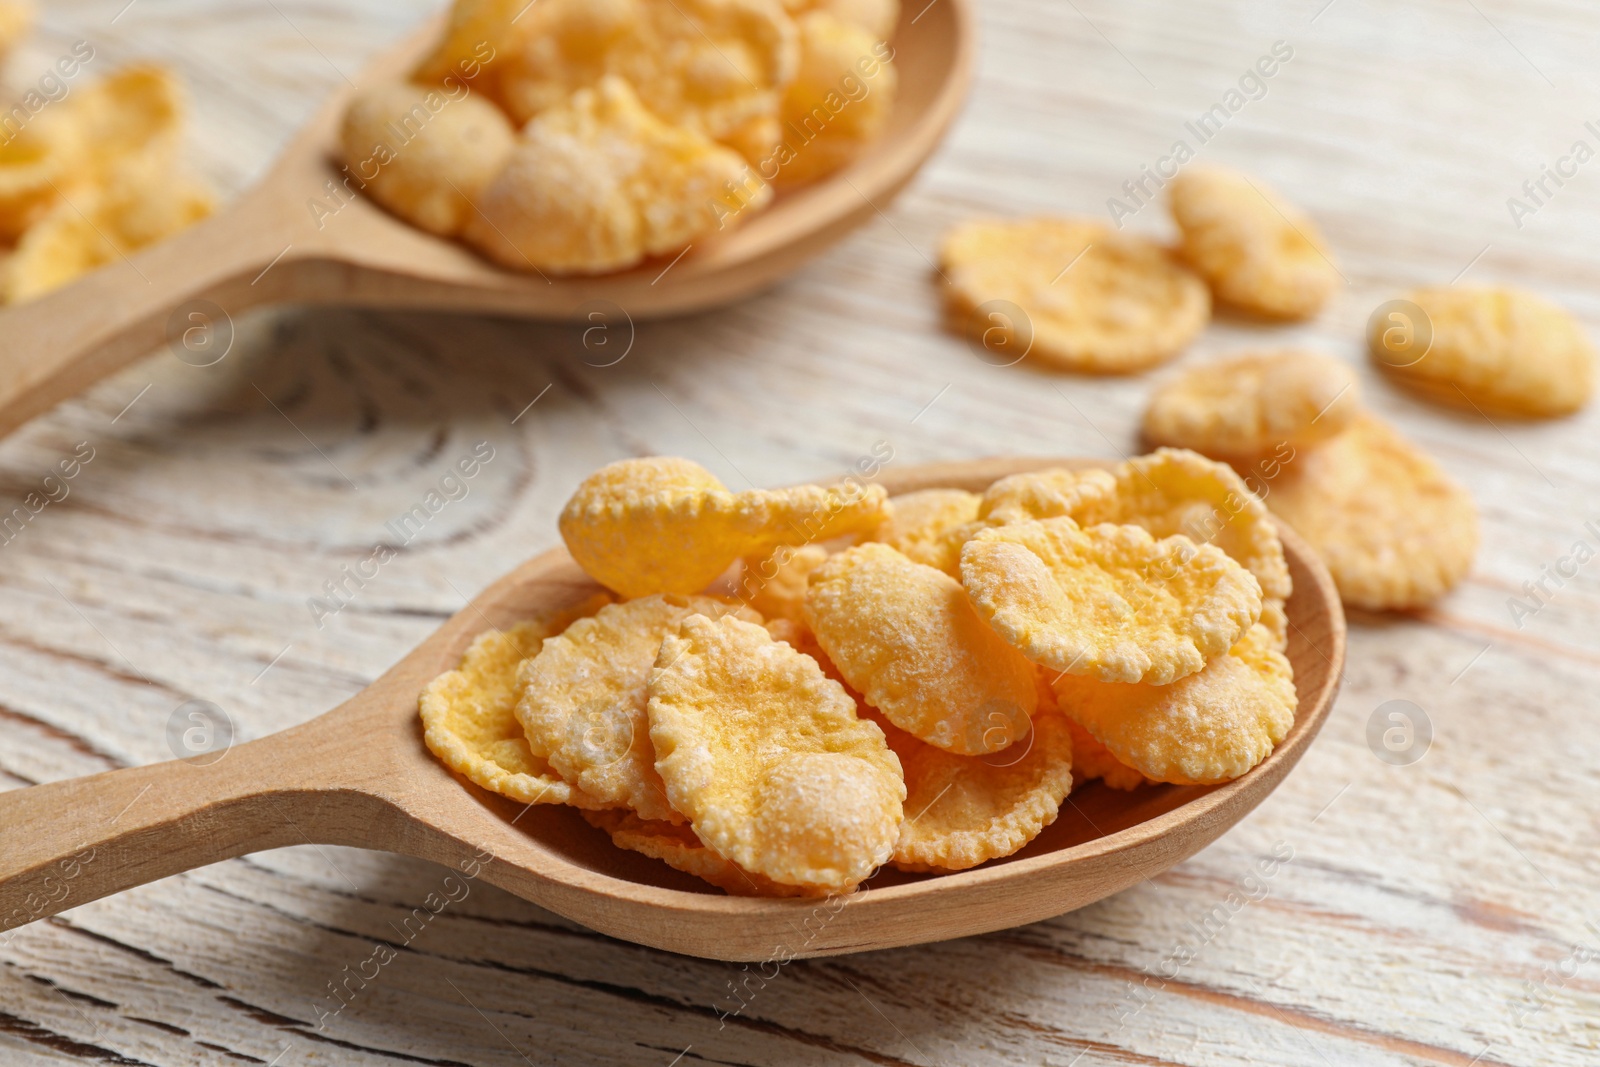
[774, 585]
[928, 526]
[834, 106]
[660, 525]
[1393, 529]
[965, 810]
[1209, 727]
[1047, 494]
[598, 184]
[1174, 491]
[423, 154]
[906, 637]
[583, 699]
[1256, 251]
[469, 714]
[877, 17]
[766, 757]
[1250, 404]
[1109, 602]
[715, 68]
[1094, 300]
[1498, 349]
[678, 847]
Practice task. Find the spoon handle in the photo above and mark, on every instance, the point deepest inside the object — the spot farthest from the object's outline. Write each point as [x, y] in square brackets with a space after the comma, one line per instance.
[66, 843]
[182, 292]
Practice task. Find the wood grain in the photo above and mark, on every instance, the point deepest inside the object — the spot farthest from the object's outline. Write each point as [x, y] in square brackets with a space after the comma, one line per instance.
[1430, 913]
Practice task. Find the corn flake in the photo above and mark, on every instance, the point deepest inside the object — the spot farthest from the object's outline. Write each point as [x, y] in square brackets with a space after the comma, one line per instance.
[1047, 494]
[469, 715]
[965, 810]
[423, 155]
[1394, 530]
[1109, 602]
[678, 847]
[598, 184]
[470, 40]
[716, 68]
[929, 526]
[877, 17]
[836, 108]
[1501, 350]
[645, 526]
[906, 637]
[1096, 301]
[583, 700]
[1256, 251]
[1209, 727]
[765, 756]
[774, 585]
[1249, 404]
[1173, 491]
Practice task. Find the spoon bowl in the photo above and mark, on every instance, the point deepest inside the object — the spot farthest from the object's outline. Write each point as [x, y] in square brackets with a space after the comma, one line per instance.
[300, 237]
[360, 776]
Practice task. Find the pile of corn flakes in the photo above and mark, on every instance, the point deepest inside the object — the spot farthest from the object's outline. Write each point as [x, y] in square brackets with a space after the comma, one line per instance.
[584, 136]
[783, 691]
[91, 173]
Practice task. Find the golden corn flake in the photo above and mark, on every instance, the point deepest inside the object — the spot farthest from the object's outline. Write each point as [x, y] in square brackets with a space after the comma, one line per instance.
[136, 113]
[1209, 727]
[1276, 620]
[774, 585]
[1091, 760]
[598, 183]
[965, 810]
[1503, 350]
[474, 37]
[660, 525]
[110, 157]
[906, 637]
[833, 109]
[927, 526]
[469, 715]
[765, 756]
[1173, 491]
[1094, 300]
[1047, 494]
[1257, 252]
[423, 155]
[877, 17]
[1108, 602]
[1394, 530]
[716, 68]
[583, 700]
[678, 847]
[36, 163]
[1250, 404]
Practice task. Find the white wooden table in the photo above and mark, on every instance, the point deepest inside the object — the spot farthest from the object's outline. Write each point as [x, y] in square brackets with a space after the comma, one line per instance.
[1443, 912]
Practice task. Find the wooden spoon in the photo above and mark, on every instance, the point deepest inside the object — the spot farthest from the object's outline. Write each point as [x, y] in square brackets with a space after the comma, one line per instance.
[270, 246]
[360, 775]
